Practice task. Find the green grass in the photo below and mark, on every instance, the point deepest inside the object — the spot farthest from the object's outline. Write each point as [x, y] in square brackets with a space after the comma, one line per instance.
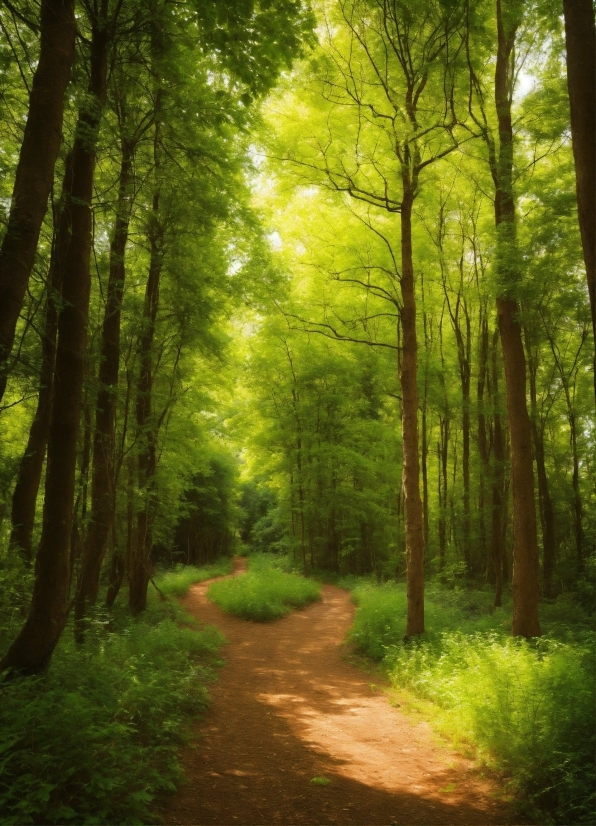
[97, 738]
[177, 581]
[265, 592]
[525, 708]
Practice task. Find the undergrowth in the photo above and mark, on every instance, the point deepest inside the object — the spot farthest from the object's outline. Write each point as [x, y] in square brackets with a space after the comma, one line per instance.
[178, 580]
[266, 592]
[96, 738]
[525, 707]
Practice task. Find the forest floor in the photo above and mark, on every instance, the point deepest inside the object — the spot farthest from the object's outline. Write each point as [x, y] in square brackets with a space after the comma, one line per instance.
[289, 707]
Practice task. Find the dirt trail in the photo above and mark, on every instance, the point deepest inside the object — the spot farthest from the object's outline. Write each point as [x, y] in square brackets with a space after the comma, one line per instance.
[287, 708]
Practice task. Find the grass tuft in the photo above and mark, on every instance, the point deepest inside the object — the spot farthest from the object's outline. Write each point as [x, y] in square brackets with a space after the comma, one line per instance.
[320, 781]
[177, 581]
[264, 593]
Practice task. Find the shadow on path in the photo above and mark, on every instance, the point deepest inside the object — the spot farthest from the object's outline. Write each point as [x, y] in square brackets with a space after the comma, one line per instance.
[287, 708]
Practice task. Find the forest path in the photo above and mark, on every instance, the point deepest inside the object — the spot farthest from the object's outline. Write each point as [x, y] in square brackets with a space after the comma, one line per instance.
[287, 708]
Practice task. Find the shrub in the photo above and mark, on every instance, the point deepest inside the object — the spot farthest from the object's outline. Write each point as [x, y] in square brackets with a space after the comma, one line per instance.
[263, 594]
[96, 738]
[177, 581]
[527, 707]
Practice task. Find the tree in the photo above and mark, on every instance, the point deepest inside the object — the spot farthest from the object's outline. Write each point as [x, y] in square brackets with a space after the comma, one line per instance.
[395, 68]
[580, 38]
[35, 170]
[508, 275]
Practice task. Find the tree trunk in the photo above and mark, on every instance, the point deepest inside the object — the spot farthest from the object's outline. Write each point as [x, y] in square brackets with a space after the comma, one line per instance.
[525, 542]
[411, 464]
[464, 344]
[103, 473]
[443, 459]
[547, 513]
[120, 561]
[35, 170]
[32, 650]
[24, 497]
[580, 40]
[146, 432]
[577, 500]
[498, 497]
[483, 447]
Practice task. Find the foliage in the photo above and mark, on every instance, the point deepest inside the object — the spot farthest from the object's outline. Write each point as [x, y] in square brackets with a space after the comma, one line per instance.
[177, 581]
[264, 593]
[527, 708]
[381, 616]
[96, 738]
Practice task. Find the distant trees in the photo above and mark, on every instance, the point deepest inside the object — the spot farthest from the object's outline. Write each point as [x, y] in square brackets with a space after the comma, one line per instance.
[355, 136]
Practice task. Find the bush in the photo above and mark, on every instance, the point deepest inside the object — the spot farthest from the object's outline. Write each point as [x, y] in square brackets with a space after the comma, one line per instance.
[96, 738]
[264, 593]
[381, 616]
[177, 581]
[526, 707]
[262, 561]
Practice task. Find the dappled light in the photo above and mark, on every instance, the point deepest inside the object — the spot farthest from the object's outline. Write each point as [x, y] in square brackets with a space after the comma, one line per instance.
[302, 712]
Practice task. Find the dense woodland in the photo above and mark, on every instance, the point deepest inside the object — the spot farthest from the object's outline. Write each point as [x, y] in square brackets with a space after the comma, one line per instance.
[316, 280]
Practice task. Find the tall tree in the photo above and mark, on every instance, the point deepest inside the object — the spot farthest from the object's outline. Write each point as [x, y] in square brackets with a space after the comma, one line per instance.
[32, 649]
[580, 38]
[35, 169]
[103, 485]
[509, 15]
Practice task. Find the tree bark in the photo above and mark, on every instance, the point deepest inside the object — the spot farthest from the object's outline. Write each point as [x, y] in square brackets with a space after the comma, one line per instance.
[525, 541]
[580, 41]
[411, 463]
[119, 561]
[35, 168]
[24, 498]
[103, 474]
[483, 446]
[498, 496]
[32, 650]
[140, 571]
[547, 512]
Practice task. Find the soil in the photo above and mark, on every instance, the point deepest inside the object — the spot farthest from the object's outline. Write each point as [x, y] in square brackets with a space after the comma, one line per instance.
[289, 707]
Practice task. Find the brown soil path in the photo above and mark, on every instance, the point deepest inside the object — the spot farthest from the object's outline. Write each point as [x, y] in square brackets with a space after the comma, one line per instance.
[287, 708]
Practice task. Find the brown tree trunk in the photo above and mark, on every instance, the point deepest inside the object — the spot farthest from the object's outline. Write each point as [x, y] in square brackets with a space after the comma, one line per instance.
[32, 650]
[120, 561]
[424, 424]
[525, 542]
[577, 499]
[35, 169]
[483, 447]
[443, 459]
[464, 346]
[103, 473]
[498, 496]
[411, 464]
[24, 497]
[140, 571]
[580, 40]
[424, 457]
[547, 512]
